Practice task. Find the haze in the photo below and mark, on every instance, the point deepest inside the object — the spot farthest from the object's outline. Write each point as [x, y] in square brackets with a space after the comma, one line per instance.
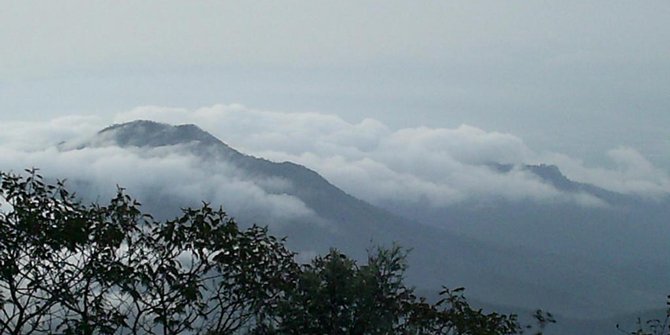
[572, 77]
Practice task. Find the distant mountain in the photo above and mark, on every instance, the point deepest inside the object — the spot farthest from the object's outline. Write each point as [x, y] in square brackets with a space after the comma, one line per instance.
[529, 255]
[611, 227]
[550, 174]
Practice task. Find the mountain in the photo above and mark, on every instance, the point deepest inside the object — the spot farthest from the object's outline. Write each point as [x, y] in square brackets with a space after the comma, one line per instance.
[526, 255]
[550, 174]
[624, 229]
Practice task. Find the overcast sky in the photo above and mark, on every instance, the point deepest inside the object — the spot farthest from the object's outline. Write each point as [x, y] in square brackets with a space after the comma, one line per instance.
[574, 77]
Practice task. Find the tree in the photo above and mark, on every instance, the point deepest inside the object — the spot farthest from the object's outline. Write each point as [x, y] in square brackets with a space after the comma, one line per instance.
[51, 251]
[71, 268]
[652, 326]
[334, 295]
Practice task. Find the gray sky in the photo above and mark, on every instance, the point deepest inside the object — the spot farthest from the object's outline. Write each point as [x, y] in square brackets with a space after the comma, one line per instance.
[576, 77]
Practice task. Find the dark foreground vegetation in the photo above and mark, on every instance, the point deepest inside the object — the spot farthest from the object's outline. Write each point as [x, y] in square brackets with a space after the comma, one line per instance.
[71, 268]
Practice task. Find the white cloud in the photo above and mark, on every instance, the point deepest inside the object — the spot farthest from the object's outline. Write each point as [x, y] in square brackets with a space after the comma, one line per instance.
[164, 174]
[381, 165]
[29, 136]
[438, 166]
[631, 173]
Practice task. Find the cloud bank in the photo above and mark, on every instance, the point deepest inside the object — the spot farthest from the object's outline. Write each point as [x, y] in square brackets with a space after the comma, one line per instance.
[435, 166]
[168, 176]
[380, 164]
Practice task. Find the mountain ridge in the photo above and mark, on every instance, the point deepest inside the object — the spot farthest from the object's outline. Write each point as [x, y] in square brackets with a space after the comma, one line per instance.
[164, 134]
[492, 270]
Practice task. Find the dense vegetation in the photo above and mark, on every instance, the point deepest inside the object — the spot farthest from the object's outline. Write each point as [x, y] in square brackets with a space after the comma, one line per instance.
[67, 267]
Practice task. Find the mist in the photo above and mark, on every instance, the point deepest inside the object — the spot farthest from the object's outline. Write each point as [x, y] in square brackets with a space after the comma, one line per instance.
[368, 159]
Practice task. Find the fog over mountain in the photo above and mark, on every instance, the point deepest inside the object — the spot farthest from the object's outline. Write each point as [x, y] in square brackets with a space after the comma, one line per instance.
[368, 159]
[454, 162]
[479, 209]
[520, 148]
[575, 77]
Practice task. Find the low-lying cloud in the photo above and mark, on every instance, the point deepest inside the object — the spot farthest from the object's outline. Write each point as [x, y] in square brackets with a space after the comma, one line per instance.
[168, 176]
[379, 164]
[435, 166]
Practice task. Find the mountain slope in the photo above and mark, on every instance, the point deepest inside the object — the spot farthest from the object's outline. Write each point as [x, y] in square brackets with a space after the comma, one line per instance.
[492, 270]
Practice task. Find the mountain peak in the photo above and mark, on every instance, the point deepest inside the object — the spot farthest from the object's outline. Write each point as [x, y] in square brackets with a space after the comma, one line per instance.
[145, 133]
[547, 173]
[136, 124]
[553, 175]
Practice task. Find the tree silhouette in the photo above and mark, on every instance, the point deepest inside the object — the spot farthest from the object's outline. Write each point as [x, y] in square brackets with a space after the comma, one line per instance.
[659, 326]
[71, 268]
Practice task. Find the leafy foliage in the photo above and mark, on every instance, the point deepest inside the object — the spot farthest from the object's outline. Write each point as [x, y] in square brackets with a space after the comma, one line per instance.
[71, 268]
[81, 269]
[333, 295]
[653, 326]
